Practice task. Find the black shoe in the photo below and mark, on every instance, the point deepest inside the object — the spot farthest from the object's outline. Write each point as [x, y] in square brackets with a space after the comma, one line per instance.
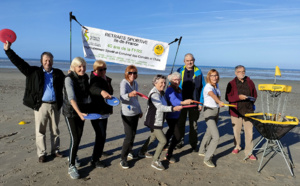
[42, 159]
[194, 150]
[124, 164]
[179, 145]
[58, 154]
[106, 154]
[97, 164]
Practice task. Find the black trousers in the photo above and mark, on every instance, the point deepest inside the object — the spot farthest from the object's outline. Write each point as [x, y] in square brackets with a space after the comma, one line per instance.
[130, 125]
[75, 127]
[177, 135]
[100, 126]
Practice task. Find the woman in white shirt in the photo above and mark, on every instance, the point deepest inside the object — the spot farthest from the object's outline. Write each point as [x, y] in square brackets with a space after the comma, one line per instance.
[212, 104]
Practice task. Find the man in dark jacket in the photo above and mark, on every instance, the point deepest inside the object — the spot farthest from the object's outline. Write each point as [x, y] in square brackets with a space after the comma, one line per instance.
[241, 92]
[191, 84]
[43, 94]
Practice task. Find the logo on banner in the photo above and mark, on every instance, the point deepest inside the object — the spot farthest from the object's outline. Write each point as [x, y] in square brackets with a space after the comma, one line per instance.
[159, 49]
[86, 35]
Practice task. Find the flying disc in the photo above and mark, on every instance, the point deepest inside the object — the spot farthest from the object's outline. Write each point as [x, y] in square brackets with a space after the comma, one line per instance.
[229, 105]
[7, 35]
[251, 98]
[92, 116]
[189, 106]
[196, 102]
[142, 95]
[113, 101]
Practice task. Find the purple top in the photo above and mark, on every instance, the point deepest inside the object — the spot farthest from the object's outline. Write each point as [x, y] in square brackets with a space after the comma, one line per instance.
[173, 99]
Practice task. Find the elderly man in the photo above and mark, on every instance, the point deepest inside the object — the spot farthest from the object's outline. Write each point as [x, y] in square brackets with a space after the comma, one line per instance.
[43, 94]
[241, 92]
[191, 84]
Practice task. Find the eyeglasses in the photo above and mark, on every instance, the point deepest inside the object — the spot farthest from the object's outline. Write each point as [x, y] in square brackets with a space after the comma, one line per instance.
[101, 69]
[240, 71]
[214, 76]
[130, 73]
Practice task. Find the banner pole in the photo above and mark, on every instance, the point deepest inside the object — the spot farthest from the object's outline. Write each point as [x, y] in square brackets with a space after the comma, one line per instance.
[176, 54]
[70, 36]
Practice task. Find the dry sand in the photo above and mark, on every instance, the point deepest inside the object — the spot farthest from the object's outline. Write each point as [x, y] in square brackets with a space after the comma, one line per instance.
[19, 162]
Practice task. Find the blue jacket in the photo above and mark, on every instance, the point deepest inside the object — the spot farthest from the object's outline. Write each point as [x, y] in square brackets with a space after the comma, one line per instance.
[173, 99]
[198, 80]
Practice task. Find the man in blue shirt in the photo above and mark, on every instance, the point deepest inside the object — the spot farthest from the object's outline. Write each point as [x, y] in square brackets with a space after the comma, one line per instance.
[191, 84]
[43, 93]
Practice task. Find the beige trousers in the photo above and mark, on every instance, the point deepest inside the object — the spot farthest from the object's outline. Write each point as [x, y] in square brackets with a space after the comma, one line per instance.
[47, 113]
[237, 124]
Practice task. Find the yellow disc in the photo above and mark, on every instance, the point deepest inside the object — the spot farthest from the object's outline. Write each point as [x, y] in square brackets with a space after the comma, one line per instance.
[159, 49]
[22, 123]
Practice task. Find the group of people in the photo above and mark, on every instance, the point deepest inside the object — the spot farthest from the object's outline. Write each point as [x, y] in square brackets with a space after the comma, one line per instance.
[48, 90]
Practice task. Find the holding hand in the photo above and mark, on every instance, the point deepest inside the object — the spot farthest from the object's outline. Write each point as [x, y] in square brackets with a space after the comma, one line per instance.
[7, 45]
[242, 97]
[105, 95]
[81, 115]
[177, 108]
[221, 104]
[132, 94]
[187, 102]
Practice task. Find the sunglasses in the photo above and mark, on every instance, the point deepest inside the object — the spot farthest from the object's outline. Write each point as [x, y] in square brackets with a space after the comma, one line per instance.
[102, 69]
[135, 73]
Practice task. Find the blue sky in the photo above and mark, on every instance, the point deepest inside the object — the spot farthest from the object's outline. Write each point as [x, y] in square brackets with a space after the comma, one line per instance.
[256, 33]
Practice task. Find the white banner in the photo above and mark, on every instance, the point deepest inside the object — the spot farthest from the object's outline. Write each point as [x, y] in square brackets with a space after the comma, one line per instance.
[124, 49]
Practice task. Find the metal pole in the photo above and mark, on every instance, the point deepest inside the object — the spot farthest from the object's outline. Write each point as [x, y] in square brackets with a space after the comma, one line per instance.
[70, 37]
[176, 54]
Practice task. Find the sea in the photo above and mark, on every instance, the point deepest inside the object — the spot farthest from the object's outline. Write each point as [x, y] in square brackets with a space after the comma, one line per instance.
[225, 72]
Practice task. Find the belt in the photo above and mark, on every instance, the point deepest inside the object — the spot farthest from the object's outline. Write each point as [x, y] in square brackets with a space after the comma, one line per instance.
[49, 102]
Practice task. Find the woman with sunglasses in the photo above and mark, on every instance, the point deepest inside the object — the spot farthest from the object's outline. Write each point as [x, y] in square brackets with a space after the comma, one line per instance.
[100, 89]
[131, 112]
[212, 104]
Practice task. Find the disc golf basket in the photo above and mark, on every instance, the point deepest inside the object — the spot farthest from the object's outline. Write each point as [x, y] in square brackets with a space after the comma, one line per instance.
[272, 123]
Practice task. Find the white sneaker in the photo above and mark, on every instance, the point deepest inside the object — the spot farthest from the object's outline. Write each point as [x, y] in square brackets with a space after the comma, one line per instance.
[157, 165]
[132, 156]
[73, 172]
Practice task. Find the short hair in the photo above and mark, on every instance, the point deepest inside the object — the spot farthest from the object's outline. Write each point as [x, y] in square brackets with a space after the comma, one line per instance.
[174, 75]
[98, 64]
[209, 73]
[239, 66]
[189, 54]
[128, 68]
[46, 54]
[77, 61]
[158, 77]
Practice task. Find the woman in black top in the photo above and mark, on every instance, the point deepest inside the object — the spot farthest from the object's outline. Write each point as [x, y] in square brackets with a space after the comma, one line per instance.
[75, 107]
[100, 89]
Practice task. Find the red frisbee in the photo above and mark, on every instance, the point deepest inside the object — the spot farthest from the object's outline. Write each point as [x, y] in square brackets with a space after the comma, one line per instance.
[7, 35]
[189, 106]
[142, 95]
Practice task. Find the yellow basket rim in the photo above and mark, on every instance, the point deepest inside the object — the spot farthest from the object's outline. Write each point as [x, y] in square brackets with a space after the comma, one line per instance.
[295, 122]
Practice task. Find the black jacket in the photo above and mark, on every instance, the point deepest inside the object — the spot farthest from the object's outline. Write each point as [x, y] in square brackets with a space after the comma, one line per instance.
[35, 82]
[97, 84]
[81, 90]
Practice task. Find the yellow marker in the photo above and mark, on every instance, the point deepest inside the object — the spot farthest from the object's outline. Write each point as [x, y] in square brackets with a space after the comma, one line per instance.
[22, 123]
[277, 71]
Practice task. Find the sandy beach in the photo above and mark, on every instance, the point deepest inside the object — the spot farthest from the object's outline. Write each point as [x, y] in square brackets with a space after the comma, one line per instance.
[19, 162]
